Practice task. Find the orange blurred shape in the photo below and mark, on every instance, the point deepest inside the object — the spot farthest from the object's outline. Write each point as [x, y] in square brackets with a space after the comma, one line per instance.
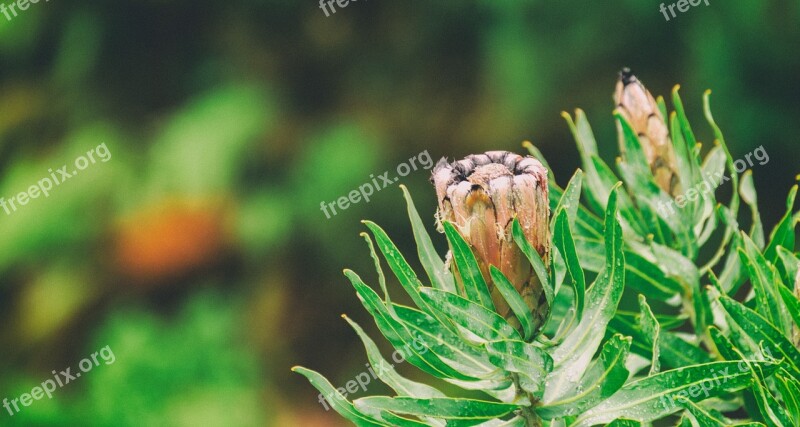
[169, 239]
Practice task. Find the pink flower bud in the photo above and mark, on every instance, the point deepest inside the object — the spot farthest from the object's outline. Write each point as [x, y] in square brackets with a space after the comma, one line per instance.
[638, 107]
[481, 195]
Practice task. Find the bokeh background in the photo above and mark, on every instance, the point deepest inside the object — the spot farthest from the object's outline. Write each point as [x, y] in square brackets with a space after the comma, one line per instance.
[199, 253]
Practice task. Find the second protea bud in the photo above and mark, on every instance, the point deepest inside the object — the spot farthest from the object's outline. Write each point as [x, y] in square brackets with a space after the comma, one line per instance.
[637, 106]
[481, 195]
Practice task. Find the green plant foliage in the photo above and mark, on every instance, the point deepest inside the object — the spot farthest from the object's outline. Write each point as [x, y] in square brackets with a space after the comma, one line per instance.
[650, 326]
[158, 373]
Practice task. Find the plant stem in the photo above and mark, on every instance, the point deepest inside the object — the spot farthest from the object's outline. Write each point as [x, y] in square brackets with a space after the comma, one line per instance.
[531, 419]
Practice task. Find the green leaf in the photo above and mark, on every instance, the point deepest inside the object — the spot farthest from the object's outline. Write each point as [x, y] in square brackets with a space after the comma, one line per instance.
[789, 266]
[473, 317]
[575, 353]
[677, 266]
[440, 277]
[662, 108]
[515, 301]
[558, 270]
[675, 351]
[570, 199]
[686, 146]
[687, 167]
[783, 233]
[683, 121]
[651, 330]
[562, 237]
[377, 261]
[650, 199]
[733, 272]
[724, 346]
[468, 411]
[623, 422]
[385, 371]
[455, 351]
[763, 277]
[734, 204]
[602, 379]
[709, 417]
[647, 278]
[629, 215]
[653, 397]
[667, 321]
[587, 148]
[792, 304]
[748, 193]
[336, 400]
[789, 388]
[770, 409]
[400, 421]
[400, 337]
[535, 260]
[474, 284]
[405, 274]
[530, 363]
[514, 422]
[762, 332]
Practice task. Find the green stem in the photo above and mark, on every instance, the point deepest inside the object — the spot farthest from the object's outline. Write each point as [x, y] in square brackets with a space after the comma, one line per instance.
[531, 419]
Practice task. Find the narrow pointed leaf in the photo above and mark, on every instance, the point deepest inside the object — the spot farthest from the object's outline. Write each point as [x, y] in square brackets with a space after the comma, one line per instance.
[405, 274]
[451, 348]
[440, 277]
[562, 237]
[338, 402]
[575, 353]
[484, 323]
[709, 417]
[377, 261]
[515, 301]
[783, 234]
[385, 371]
[399, 336]
[762, 332]
[474, 284]
[535, 259]
[531, 363]
[653, 397]
[763, 277]
[652, 330]
[602, 379]
[467, 410]
[570, 199]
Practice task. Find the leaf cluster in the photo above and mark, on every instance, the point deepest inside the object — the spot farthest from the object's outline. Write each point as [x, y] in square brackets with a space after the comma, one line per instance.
[656, 313]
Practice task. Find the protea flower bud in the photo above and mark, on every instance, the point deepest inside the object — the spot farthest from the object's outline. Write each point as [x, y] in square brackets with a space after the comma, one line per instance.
[638, 107]
[481, 195]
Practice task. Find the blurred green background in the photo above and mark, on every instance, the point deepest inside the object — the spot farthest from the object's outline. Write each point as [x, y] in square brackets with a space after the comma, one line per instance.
[199, 253]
